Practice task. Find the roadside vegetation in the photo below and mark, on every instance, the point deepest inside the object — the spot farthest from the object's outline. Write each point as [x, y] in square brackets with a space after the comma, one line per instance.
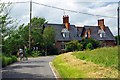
[85, 44]
[107, 56]
[97, 63]
[14, 37]
[7, 59]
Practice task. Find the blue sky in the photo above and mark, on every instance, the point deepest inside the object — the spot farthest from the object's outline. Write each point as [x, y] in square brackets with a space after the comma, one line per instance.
[102, 7]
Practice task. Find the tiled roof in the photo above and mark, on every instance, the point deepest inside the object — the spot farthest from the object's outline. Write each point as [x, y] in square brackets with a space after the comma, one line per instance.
[75, 32]
[58, 28]
[79, 30]
[96, 36]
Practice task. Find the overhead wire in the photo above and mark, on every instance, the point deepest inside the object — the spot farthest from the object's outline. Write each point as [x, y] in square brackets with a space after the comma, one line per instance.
[74, 11]
[14, 2]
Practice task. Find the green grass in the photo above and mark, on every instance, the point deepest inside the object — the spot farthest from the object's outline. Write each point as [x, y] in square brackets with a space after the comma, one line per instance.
[6, 60]
[98, 63]
[107, 56]
[65, 70]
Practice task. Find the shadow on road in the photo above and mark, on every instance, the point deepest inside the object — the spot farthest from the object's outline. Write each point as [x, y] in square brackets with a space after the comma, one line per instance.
[32, 62]
[33, 69]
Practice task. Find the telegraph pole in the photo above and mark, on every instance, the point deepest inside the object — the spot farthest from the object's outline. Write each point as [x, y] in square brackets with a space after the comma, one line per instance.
[30, 25]
[118, 23]
[118, 37]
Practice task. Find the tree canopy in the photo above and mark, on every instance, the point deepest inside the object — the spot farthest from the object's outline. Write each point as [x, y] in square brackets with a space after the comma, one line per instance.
[42, 39]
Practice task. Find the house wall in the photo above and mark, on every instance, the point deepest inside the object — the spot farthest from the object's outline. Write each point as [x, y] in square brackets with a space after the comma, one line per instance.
[110, 43]
[58, 45]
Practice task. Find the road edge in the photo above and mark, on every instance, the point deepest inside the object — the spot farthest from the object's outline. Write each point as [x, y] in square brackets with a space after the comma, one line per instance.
[50, 64]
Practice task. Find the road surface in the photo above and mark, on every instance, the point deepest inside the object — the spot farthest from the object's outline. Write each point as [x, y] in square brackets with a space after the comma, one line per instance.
[34, 68]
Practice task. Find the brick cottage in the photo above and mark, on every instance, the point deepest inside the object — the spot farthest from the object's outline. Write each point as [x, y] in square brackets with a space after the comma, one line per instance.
[66, 32]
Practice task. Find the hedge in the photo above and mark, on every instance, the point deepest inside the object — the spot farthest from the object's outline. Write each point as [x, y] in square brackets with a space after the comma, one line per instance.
[6, 60]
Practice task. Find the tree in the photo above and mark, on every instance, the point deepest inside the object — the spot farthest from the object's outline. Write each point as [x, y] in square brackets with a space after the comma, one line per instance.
[20, 37]
[49, 38]
[37, 32]
[42, 38]
[116, 39]
[7, 24]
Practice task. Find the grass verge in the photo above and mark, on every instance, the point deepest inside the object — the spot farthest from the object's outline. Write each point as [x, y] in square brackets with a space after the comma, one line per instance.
[65, 69]
[68, 66]
[107, 56]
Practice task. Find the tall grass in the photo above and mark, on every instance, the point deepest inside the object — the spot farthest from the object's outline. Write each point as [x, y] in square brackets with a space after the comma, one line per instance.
[107, 56]
[6, 60]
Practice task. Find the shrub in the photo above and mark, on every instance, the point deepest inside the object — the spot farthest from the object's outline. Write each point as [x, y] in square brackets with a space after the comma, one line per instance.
[79, 47]
[6, 60]
[89, 46]
[94, 43]
[73, 46]
[36, 53]
[14, 59]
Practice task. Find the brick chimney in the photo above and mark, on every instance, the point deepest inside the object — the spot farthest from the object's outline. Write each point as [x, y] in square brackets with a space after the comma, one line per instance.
[101, 24]
[89, 33]
[66, 21]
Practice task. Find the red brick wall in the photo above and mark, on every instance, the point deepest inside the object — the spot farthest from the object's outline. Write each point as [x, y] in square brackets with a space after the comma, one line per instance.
[110, 43]
[58, 45]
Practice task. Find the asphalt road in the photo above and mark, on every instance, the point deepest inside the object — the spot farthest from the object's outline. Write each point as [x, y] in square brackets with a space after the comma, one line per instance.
[34, 68]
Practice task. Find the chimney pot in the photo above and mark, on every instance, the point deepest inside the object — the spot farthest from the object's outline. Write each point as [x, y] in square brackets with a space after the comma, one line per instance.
[66, 21]
[101, 24]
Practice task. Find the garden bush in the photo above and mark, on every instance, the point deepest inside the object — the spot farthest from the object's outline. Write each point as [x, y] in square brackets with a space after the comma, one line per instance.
[89, 46]
[94, 43]
[74, 46]
[36, 53]
[84, 44]
[6, 60]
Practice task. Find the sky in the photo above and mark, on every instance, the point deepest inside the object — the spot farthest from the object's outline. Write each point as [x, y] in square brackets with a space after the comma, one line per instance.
[98, 7]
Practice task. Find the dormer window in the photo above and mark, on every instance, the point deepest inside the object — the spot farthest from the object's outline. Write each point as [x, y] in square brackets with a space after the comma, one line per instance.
[65, 33]
[86, 35]
[101, 33]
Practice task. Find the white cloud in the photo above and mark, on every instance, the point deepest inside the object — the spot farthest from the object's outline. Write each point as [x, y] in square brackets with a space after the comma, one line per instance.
[21, 11]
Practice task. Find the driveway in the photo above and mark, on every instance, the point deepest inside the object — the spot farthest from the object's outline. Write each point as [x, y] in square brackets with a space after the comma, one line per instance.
[34, 68]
